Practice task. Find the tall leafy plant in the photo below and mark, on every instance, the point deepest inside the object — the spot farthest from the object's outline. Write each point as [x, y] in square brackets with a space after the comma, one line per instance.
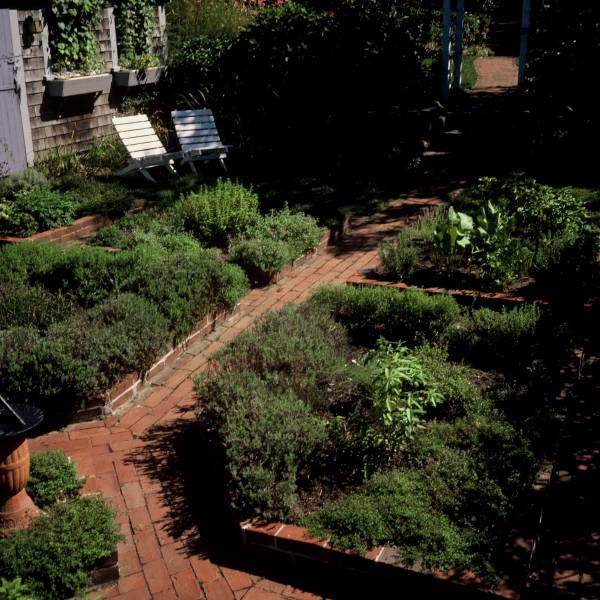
[135, 24]
[73, 42]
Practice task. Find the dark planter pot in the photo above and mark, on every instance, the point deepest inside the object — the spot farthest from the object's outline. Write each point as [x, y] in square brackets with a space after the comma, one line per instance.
[132, 78]
[78, 86]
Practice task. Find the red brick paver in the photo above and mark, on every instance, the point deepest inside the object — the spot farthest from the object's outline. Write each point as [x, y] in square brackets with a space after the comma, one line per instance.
[154, 559]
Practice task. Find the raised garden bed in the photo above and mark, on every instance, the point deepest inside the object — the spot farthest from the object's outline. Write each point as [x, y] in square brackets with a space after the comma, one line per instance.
[335, 469]
[78, 86]
[135, 77]
[130, 386]
[226, 217]
[71, 545]
[76, 322]
[507, 239]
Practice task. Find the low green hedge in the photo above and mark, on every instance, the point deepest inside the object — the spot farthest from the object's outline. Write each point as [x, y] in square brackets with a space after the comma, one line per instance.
[76, 320]
[29, 203]
[55, 556]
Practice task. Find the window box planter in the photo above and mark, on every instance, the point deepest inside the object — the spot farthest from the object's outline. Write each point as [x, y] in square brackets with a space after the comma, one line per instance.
[77, 86]
[134, 77]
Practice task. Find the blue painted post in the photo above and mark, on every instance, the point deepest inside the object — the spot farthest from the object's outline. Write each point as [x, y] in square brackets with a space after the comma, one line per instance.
[458, 44]
[446, 24]
[524, 33]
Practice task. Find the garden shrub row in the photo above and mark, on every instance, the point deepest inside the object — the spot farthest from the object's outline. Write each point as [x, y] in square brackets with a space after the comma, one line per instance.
[225, 216]
[74, 321]
[316, 419]
[55, 556]
[29, 203]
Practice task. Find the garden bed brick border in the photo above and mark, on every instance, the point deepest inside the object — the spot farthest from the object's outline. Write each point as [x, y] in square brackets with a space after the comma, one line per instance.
[79, 230]
[505, 298]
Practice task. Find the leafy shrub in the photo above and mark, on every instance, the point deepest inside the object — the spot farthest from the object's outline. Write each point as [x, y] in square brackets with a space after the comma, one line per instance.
[124, 334]
[452, 380]
[95, 196]
[571, 260]
[44, 370]
[215, 215]
[264, 254]
[52, 478]
[101, 315]
[476, 468]
[144, 228]
[275, 239]
[296, 229]
[399, 256]
[101, 156]
[27, 179]
[14, 589]
[38, 209]
[539, 209]
[369, 313]
[185, 286]
[22, 305]
[402, 392]
[267, 435]
[56, 554]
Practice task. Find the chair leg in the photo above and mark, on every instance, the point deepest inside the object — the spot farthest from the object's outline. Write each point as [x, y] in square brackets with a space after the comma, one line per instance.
[193, 167]
[222, 161]
[147, 175]
[127, 169]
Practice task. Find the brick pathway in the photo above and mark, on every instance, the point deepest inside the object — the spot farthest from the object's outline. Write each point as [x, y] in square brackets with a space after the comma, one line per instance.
[496, 73]
[133, 458]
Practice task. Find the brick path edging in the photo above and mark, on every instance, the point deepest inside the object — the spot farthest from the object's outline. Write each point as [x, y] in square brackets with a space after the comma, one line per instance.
[495, 297]
[295, 541]
[79, 230]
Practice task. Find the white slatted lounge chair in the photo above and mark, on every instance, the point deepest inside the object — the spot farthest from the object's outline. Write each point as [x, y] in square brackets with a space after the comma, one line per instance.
[145, 150]
[198, 136]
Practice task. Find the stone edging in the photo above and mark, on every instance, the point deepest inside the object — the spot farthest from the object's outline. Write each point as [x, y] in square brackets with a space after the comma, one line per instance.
[78, 230]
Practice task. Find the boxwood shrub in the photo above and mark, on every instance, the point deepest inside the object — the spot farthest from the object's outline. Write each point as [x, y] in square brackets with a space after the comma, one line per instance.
[52, 478]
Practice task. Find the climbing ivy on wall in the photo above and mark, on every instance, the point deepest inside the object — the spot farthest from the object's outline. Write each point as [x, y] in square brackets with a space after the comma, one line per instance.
[135, 22]
[73, 43]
